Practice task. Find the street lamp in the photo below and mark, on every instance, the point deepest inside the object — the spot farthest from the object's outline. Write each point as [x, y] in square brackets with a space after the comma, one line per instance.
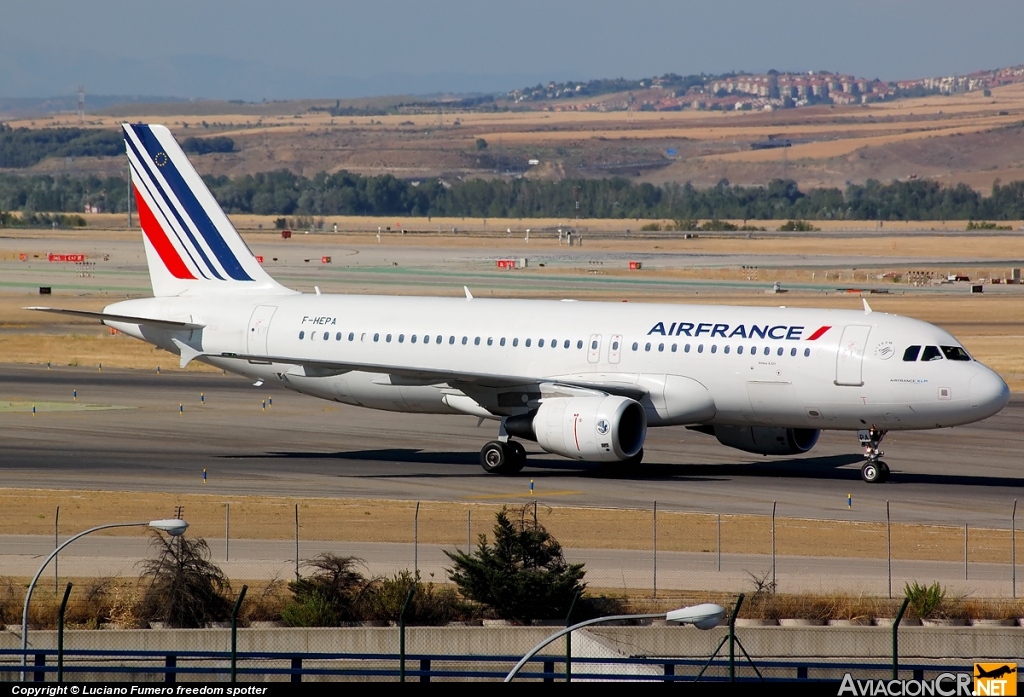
[703, 616]
[172, 526]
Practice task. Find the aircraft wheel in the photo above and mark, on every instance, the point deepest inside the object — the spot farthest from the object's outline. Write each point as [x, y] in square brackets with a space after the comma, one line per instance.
[871, 472]
[495, 457]
[517, 459]
[885, 471]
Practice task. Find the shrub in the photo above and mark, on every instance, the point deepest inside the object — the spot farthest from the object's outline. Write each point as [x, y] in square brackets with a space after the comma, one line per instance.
[687, 225]
[429, 605]
[797, 226]
[522, 576]
[185, 588]
[717, 225]
[650, 227]
[925, 601]
[329, 595]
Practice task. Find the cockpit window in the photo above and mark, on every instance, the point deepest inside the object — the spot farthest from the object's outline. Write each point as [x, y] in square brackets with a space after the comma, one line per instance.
[910, 355]
[931, 353]
[955, 353]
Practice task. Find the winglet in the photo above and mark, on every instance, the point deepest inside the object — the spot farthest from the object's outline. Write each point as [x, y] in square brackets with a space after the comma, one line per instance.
[867, 308]
[469, 296]
[188, 354]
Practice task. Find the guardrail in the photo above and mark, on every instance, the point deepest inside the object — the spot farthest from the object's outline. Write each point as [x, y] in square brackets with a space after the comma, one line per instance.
[214, 665]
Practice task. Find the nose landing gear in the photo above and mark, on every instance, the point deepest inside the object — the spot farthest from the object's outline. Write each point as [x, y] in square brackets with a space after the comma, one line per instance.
[873, 470]
[503, 458]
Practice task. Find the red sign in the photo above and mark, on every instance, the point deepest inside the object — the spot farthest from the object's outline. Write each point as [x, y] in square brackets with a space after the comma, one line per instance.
[325, 260]
[635, 265]
[22, 257]
[73, 258]
[259, 258]
[506, 263]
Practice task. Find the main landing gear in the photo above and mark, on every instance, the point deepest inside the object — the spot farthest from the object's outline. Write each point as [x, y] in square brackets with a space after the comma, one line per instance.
[873, 470]
[503, 458]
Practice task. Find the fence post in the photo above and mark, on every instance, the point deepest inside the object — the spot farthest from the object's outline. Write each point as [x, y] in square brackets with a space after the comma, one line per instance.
[775, 585]
[227, 532]
[888, 546]
[56, 544]
[401, 631]
[170, 662]
[234, 634]
[296, 543]
[654, 578]
[1013, 548]
[296, 669]
[416, 543]
[60, 634]
[732, 638]
[568, 639]
[896, 640]
[965, 551]
[719, 541]
[469, 530]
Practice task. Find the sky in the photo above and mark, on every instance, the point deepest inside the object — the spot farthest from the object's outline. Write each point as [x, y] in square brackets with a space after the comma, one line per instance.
[257, 49]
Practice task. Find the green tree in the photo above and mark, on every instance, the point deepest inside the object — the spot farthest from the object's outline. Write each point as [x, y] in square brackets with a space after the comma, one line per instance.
[522, 576]
[329, 595]
[481, 144]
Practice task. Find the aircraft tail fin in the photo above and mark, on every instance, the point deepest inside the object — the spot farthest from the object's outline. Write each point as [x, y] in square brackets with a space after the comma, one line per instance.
[191, 246]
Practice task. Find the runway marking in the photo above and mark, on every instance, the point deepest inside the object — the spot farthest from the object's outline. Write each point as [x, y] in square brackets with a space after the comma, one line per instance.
[20, 407]
[524, 496]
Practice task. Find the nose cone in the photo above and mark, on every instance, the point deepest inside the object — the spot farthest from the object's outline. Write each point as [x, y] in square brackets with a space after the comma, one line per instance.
[987, 393]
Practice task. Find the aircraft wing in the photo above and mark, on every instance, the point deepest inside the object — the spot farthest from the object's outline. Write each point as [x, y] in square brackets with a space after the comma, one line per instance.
[426, 375]
[104, 317]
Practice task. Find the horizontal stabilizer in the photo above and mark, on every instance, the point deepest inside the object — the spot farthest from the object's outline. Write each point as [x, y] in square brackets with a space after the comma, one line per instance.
[105, 317]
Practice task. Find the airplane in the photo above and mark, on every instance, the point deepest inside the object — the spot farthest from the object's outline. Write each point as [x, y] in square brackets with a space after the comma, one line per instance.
[584, 380]
[995, 672]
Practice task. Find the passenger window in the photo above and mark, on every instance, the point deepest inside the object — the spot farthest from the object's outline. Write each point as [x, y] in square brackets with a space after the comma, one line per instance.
[566, 344]
[388, 338]
[792, 352]
[401, 338]
[647, 347]
[955, 353]
[515, 342]
[476, 341]
[412, 338]
[700, 348]
[726, 349]
[554, 343]
[714, 348]
[661, 347]
[327, 335]
[635, 346]
[767, 351]
[465, 340]
[931, 353]
[674, 347]
[528, 343]
[540, 343]
[337, 337]
[440, 339]
[686, 349]
[451, 340]
[780, 351]
[739, 350]
[502, 341]
[910, 355]
[376, 337]
[302, 335]
[490, 341]
[807, 352]
[579, 344]
[351, 336]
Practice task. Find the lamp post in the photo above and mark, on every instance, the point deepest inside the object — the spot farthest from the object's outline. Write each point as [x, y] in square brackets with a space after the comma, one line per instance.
[703, 616]
[172, 526]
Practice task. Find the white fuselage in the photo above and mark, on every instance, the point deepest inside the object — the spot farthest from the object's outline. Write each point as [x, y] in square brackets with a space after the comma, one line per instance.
[718, 365]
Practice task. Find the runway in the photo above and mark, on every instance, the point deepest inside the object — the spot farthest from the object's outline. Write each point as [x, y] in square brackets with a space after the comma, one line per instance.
[303, 447]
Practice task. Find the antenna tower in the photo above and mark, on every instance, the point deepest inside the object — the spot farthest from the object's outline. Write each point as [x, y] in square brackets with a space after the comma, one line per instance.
[81, 104]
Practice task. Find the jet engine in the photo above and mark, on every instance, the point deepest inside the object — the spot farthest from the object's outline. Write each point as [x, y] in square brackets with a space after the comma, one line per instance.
[598, 429]
[765, 440]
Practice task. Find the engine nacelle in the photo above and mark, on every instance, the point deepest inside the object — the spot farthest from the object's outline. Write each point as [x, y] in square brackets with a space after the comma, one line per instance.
[598, 429]
[765, 440]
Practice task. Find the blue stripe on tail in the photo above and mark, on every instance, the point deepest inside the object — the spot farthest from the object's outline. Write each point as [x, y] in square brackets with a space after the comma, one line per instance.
[193, 208]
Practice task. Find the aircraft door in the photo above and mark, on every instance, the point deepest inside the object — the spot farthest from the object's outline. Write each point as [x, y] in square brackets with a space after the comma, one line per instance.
[259, 329]
[850, 357]
[615, 348]
[594, 348]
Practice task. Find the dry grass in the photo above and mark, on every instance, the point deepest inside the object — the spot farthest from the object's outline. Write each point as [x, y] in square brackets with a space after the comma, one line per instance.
[444, 523]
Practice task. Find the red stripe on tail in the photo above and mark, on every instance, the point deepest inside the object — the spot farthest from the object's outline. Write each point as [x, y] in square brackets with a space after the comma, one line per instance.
[158, 238]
